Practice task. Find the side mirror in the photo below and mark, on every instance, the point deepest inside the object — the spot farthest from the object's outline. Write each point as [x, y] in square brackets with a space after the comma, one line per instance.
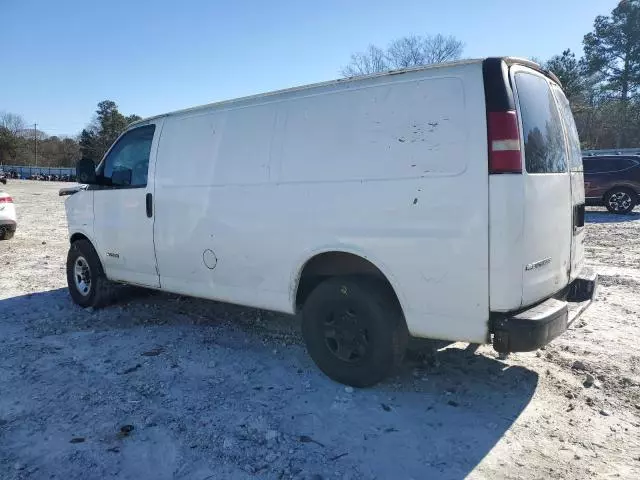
[86, 171]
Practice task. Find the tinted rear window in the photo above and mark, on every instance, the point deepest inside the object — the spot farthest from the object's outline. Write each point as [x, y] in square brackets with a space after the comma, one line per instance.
[544, 147]
[607, 165]
[589, 165]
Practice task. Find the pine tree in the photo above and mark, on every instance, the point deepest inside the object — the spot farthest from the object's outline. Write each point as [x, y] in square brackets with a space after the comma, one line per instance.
[613, 49]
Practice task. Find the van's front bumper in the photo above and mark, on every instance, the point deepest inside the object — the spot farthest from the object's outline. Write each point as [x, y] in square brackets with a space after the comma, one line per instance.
[529, 329]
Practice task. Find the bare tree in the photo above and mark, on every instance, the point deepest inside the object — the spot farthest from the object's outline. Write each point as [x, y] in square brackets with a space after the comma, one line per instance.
[439, 49]
[372, 60]
[404, 52]
[12, 122]
[11, 125]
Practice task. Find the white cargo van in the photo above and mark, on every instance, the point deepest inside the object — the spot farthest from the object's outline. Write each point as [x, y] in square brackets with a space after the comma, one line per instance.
[442, 202]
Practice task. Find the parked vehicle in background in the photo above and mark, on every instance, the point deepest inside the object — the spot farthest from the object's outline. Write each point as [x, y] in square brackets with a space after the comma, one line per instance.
[612, 181]
[54, 174]
[8, 221]
[337, 200]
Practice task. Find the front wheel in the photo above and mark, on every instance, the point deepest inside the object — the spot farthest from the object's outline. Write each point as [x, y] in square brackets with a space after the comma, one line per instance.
[620, 200]
[354, 330]
[85, 276]
[6, 232]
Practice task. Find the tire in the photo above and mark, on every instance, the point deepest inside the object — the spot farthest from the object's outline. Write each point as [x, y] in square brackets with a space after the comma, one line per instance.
[6, 233]
[620, 200]
[91, 290]
[354, 330]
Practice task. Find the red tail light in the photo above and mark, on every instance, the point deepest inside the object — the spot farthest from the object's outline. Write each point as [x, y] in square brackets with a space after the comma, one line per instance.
[6, 200]
[504, 143]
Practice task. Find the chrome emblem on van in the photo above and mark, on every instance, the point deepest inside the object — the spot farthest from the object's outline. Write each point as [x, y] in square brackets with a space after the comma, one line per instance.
[538, 264]
[114, 255]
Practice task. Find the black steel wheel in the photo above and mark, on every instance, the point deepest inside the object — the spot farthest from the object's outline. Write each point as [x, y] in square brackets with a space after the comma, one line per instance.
[354, 330]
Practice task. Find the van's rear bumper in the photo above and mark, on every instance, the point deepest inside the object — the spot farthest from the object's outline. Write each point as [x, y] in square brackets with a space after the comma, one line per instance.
[529, 329]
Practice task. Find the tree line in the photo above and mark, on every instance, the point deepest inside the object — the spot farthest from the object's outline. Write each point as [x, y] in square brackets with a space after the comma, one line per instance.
[604, 85]
[25, 146]
[603, 88]
[21, 145]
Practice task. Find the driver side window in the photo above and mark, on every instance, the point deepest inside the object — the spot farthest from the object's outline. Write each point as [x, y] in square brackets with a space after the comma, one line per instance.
[127, 164]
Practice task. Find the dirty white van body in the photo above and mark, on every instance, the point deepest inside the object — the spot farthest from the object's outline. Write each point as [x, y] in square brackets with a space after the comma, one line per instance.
[444, 202]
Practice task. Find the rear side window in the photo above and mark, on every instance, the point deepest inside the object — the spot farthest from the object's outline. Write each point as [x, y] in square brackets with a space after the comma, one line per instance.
[544, 147]
[589, 165]
[628, 163]
[607, 165]
[575, 154]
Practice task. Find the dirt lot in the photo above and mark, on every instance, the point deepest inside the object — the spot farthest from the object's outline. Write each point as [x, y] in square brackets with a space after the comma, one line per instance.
[215, 391]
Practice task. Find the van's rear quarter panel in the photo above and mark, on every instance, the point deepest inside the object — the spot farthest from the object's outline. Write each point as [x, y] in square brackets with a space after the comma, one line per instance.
[506, 230]
[393, 169]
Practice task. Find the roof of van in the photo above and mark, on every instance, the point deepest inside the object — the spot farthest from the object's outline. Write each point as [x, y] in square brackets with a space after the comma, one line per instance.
[230, 102]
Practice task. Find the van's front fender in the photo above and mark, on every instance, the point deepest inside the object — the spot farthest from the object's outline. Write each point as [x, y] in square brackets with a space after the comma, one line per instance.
[79, 210]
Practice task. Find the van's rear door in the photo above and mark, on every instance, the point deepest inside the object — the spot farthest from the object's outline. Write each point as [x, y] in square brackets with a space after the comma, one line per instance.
[548, 203]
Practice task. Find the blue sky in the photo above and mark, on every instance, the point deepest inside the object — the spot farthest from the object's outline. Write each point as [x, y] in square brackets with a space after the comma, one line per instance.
[60, 58]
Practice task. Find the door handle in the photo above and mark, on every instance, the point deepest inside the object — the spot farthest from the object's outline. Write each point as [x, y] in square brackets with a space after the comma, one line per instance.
[149, 205]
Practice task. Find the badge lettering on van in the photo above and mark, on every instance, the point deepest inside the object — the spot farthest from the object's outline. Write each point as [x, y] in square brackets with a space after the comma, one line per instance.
[113, 255]
[538, 264]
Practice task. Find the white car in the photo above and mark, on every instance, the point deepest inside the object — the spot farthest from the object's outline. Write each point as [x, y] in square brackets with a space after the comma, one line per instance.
[8, 220]
[443, 202]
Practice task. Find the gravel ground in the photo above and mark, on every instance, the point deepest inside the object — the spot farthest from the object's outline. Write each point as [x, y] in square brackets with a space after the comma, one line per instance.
[165, 387]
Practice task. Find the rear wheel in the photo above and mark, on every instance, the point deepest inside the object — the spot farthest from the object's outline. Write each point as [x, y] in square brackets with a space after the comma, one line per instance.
[354, 330]
[85, 276]
[620, 200]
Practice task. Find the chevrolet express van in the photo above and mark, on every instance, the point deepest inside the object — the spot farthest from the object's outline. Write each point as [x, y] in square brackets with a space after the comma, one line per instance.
[442, 202]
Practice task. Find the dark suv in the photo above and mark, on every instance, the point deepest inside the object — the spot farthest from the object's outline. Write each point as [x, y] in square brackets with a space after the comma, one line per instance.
[612, 181]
